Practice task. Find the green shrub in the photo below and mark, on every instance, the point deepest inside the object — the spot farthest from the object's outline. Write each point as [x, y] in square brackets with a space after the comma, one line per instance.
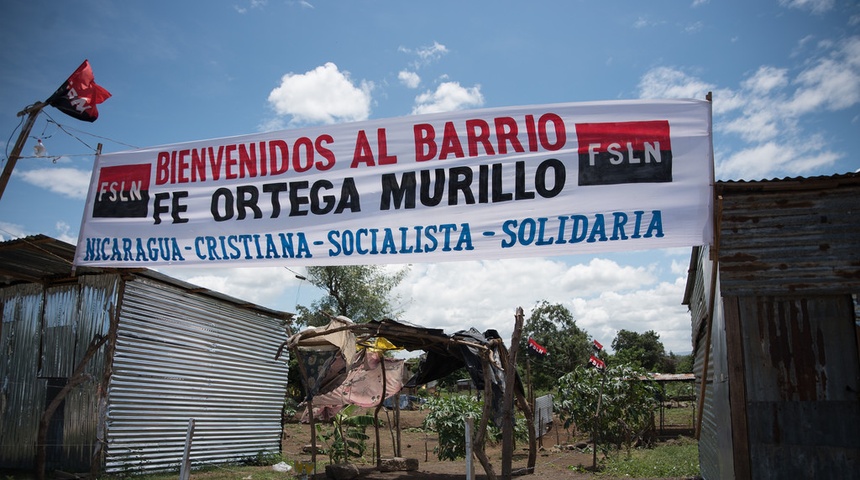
[347, 437]
[447, 416]
[626, 410]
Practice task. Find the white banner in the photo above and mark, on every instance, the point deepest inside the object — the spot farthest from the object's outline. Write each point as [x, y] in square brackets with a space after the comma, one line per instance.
[544, 180]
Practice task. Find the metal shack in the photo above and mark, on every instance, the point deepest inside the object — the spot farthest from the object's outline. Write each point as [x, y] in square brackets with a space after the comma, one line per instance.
[173, 352]
[778, 351]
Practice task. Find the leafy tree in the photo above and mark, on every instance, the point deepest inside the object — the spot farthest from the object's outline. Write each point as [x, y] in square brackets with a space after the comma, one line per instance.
[684, 364]
[360, 292]
[625, 411]
[643, 350]
[553, 327]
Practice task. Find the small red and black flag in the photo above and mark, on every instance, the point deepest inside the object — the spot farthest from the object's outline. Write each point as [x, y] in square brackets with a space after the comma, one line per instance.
[597, 346]
[535, 349]
[596, 362]
[79, 95]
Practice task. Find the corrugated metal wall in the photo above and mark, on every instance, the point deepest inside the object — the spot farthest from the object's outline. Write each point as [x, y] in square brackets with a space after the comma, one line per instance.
[181, 356]
[802, 384]
[45, 332]
[789, 263]
[715, 441]
[21, 391]
[790, 237]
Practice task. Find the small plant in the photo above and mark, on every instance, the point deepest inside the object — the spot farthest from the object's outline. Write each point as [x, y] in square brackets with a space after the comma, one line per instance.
[447, 418]
[347, 437]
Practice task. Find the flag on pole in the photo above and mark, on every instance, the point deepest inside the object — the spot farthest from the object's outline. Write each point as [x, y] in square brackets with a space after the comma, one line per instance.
[598, 346]
[79, 95]
[597, 362]
[536, 349]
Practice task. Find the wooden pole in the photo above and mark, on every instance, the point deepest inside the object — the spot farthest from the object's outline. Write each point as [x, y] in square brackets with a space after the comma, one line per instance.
[185, 468]
[309, 399]
[378, 408]
[32, 112]
[597, 420]
[712, 304]
[481, 435]
[508, 399]
[715, 264]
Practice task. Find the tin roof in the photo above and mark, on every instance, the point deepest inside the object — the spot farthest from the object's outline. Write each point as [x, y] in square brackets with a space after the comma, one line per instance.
[46, 260]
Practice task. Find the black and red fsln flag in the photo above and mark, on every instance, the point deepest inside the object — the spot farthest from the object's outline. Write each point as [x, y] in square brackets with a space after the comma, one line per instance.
[536, 349]
[596, 362]
[79, 95]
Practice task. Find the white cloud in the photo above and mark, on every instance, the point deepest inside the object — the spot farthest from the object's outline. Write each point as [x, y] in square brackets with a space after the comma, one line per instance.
[410, 79]
[665, 82]
[814, 6]
[433, 52]
[694, 27]
[260, 285]
[765, 79]
[11, 231]
[69, 182]
[766, 159]
[447, 97]
[322, 95]
[768, 110]
[484, 295]
[62, 233]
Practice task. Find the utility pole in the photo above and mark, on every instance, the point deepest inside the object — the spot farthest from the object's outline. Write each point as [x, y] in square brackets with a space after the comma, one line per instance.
[32, 111]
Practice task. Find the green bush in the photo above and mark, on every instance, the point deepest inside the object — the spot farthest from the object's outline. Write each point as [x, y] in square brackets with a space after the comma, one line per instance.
[446, 417]
[626, 411]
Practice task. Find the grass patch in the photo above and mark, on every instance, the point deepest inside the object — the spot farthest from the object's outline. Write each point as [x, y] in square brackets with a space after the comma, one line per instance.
[678, 458]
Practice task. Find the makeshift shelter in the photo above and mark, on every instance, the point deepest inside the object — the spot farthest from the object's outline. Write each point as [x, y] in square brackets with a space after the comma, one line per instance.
[140, 354]
[774, 308]
[484, 356]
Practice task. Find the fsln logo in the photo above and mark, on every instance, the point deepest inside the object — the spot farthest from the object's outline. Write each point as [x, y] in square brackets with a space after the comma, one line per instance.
[624, 152]
[122, 191]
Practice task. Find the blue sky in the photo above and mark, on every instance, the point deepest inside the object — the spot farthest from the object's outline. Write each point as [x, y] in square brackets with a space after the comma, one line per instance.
[785, 75]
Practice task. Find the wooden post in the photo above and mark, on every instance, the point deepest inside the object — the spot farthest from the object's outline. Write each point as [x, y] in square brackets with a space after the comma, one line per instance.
[597, 420]
[470, 465]
[309, 398]
[32, 112]
[528, 412]
[378, 408]
[508, 399]
[478, 445]
[185, 469]
[397, 452]
[712, 305]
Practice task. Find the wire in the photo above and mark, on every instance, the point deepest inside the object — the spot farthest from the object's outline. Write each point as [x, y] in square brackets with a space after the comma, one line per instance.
[21, 122]
[97, 136]
[61, 127]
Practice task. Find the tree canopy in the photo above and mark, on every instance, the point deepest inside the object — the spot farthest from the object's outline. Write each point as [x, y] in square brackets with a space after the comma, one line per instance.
[554, 328]
[644, 350]
[360, 292]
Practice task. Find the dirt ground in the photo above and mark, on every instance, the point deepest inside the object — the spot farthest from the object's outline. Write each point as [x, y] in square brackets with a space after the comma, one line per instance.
[553, 463]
